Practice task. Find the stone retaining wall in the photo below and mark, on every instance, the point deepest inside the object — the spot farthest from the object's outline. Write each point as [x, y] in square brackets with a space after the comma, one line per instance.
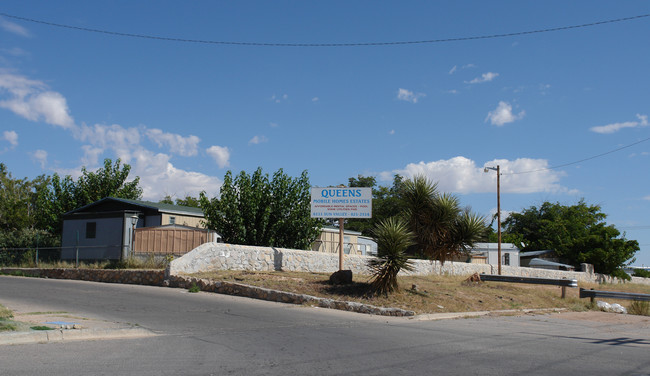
[221, 256]
[239, 289]
[133, 277]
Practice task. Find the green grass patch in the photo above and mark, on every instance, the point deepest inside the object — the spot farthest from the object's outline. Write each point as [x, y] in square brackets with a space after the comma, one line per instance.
[194, 288]
[40, 327]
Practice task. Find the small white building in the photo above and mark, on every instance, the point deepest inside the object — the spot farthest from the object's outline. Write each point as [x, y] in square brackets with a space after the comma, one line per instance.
[353, 242]
[488, 253]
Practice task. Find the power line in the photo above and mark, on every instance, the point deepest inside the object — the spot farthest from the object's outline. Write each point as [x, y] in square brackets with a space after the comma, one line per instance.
[361, 44]
[576, 162]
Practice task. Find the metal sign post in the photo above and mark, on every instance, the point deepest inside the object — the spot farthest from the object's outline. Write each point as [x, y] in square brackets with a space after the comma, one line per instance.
[341, 245]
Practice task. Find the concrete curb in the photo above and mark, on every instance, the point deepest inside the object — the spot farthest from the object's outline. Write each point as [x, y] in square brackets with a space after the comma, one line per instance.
[62, 335]
[261, 293]
[460, 315]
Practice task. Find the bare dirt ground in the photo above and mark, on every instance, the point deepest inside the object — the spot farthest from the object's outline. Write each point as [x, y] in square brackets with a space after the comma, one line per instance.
[607, 318]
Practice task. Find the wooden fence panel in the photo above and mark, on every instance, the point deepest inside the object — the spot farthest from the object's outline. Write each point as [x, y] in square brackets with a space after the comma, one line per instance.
[166, 241]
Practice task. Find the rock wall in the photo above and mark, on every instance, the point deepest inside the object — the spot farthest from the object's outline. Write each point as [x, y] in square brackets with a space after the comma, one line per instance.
[133, 277]
[221, 256]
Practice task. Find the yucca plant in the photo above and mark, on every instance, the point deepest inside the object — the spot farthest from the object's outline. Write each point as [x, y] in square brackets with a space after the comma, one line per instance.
[393, 238]
[443, 230]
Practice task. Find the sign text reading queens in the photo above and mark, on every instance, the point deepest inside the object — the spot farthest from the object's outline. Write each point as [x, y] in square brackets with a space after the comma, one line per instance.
[341, 202]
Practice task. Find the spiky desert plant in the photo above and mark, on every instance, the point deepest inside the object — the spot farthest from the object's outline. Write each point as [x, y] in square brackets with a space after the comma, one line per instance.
[443, 230]
[393, 238]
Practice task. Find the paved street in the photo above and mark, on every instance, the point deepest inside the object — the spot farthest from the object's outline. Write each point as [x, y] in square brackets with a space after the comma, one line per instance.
[203, 334]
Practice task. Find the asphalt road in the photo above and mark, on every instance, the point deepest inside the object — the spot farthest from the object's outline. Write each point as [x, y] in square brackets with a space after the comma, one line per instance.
[211, 334]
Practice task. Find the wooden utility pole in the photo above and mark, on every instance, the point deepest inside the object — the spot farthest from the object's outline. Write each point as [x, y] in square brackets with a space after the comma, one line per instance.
[499, 215]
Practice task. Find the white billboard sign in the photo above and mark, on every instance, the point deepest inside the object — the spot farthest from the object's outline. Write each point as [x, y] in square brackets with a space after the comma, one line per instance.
[351, 202]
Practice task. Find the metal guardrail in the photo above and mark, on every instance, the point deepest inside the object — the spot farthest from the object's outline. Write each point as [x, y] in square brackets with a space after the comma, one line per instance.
[613, 295]
[564, 283]
[532, 280]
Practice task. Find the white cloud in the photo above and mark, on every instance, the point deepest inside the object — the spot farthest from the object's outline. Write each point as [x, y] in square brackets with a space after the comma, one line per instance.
[456, 68]
[40, 156]
[114, 137]
[503, 114]
[462, 175]
[91, 155]
[11, 137]
[647, 198]
[391, 132]
[615, 127]
[185, 146]
[485, 77]
[273, 125]
[220, 154]
[13, 28]
[279, 98]
[33, 101]
[159, 177]
[257, 140]
[409, 96]
[315, 99]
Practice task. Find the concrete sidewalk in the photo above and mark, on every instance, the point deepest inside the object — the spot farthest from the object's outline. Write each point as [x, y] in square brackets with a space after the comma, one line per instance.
[65, 326]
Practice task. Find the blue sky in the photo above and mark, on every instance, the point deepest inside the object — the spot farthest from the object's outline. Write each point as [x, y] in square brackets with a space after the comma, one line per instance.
[183, 113]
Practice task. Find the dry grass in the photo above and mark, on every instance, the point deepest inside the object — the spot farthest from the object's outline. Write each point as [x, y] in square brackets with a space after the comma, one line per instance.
[434, 294]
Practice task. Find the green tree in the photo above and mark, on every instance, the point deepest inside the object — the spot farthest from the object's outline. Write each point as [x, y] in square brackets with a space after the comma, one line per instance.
[58, 196]
[385, 203]
[109, 181]
[187, 201]
[18, 220]
[577, 233]
[393, 238]
[15, 201]
[256, 210]
[190, 201]
[443, 230]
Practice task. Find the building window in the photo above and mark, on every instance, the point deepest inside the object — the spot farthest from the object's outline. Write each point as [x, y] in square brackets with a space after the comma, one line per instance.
[506, 259]
[172, 220]
[91, 230]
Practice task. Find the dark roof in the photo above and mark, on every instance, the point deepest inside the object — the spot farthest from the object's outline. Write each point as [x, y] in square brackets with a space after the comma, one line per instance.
[160, 207]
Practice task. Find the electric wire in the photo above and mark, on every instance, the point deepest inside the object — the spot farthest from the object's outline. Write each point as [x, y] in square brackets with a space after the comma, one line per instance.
[576, 162]
[358, 44]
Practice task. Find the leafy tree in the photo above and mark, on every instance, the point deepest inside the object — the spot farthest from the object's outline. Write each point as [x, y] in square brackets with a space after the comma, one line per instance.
[109, 181]
[385, 203]
[15, 201]
[190, 201]
[187, 201]
[61, 195]
[577, 233]
[167, 200]
[18, 219]
[256, 210]
[393, 238]
[442, 229]
[641, 273]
